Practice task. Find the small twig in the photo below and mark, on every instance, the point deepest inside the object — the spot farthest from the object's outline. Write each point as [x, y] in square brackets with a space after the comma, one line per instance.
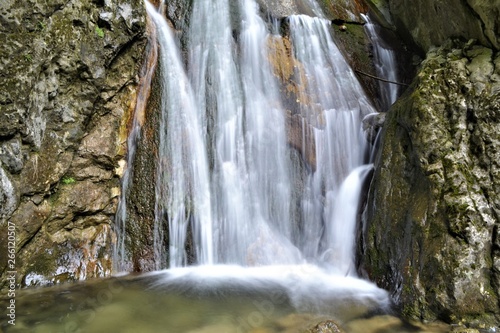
[381, 79]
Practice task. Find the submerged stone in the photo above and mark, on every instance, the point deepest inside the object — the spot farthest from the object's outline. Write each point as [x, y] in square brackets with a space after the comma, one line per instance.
[327, 326]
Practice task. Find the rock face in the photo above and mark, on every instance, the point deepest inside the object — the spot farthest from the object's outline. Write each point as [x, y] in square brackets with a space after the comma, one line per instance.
[432, 236]
[69, 72]
[344, 10]
[431, 232]
[431, 23]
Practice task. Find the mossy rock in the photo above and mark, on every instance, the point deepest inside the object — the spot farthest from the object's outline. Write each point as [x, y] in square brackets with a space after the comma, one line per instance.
[432, 214]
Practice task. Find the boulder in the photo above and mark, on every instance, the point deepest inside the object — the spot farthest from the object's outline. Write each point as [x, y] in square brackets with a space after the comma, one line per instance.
[432, 220]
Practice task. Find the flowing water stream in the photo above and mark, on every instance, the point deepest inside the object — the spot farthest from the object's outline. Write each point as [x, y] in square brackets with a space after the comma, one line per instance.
[270, 257]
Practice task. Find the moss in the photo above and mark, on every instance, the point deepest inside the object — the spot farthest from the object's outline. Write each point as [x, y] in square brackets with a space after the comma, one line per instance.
[68, 180]
[410, 312]
[99, 32]
[41, 263]
[354, 45]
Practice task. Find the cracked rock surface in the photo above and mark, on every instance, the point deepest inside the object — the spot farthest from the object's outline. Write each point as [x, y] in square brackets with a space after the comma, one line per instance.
[68, 76]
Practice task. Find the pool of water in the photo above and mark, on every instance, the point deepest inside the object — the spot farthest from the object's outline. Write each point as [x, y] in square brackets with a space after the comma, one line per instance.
[207, 300]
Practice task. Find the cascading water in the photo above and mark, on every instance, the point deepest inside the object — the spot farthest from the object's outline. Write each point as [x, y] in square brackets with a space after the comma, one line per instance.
[7, 195]
[182, 186]
[385, 65]
[134, 135]
[225, 169]
[230, 176]
[384, 60]
[245, 132]
[336, 98]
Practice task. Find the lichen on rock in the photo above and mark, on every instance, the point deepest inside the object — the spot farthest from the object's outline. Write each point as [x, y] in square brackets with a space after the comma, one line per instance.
[434, 203]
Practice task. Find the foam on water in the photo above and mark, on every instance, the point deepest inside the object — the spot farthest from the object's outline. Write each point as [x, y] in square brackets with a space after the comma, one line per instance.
[307, 288]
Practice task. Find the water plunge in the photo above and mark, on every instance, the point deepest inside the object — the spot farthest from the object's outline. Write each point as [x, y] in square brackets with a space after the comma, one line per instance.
[226, 170]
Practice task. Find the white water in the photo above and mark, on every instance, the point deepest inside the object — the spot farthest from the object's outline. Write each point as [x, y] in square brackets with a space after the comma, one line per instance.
[8, 198]
[385, 65]
[225, 169]
[306, 288]
[330, 201]
[182, 186]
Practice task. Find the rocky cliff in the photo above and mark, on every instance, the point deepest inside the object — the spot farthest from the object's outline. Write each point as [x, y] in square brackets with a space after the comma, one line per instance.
[68, 75]
[430, 23]
[431, 227]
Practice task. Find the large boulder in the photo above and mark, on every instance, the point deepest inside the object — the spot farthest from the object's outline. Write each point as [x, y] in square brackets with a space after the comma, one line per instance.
[433, 217]
[69, 77]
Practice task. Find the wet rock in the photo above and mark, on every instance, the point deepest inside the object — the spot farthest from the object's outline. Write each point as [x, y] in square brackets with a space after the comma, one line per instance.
[300, 136]
[372, 123]
[101, 143]
[177, 11]
[29, 218]
[140, 196]
[433, 213]
[11, 156]
[280, 8]
[8, 195]
[344, 10]
[464, 330]
[298, 321]
[67, 255]
[327, 326]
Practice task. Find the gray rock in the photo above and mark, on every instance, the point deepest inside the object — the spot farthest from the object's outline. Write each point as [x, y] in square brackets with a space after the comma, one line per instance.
[11, 156]
[8, 197]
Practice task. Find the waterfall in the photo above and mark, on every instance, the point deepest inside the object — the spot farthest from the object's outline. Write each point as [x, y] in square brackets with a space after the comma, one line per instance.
[336, 98]
[226, 170]
[147, 72]
[182, 185]
[385, 65]
[7, 195]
